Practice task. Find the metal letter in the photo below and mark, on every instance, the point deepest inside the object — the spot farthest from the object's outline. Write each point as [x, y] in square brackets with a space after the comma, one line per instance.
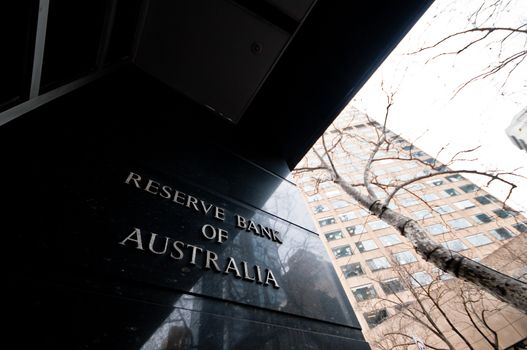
[270, 277]
[240, 221]
[137, 233]
[179, 251]
[133, 177]
[193, 257]
[231, 265]
[212, 260]
[246, 272]
[149, 185]
[152, 242]
[203, 230]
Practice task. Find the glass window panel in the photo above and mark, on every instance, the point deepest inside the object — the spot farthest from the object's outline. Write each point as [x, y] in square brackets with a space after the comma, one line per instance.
[355, 229]
[479, 240]
[339, 204]
[408, 202]
[422, 214]
[502, 213]
[454, 178]
[404, 257]
[501, 234]
[367, 245]
[437, 182]
[390, 240]
[459, 224]
[444, 209]
[342, 251]
[482, 218]
[347, 216]
[429, 197]
[352, 270]
[436, 229]
[455, 245]
[469, 188]
[450, 192]
[364, 292]
[374, 318]
[320, 208]
[520, 227]
[326, 221]
[421, 279]
[377, 225]
[378, 263]
[392, 286]
[466, 204]
[331, 236]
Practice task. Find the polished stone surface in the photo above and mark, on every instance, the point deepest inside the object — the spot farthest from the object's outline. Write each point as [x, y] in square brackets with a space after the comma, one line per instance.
[78, 277]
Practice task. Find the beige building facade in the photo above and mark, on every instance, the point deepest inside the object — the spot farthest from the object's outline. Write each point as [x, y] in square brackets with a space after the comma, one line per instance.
[381, 273]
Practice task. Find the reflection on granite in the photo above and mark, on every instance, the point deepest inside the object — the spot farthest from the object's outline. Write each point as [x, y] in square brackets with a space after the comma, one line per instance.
[116, 225]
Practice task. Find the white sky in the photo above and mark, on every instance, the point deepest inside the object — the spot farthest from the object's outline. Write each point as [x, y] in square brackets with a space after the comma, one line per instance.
[424, 110]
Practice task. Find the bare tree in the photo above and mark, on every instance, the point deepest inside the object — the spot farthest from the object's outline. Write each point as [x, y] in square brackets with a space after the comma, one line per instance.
[505, 43]
[445, 313]
[320, 162]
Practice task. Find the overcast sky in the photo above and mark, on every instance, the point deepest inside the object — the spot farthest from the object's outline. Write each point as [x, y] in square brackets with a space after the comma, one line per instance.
[425, 110]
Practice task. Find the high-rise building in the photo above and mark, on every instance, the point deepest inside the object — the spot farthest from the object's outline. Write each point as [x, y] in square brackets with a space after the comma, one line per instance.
[368, 254]
[517, 130]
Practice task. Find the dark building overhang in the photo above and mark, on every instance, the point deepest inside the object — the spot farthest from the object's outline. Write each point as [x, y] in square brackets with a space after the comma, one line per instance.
[276, 72]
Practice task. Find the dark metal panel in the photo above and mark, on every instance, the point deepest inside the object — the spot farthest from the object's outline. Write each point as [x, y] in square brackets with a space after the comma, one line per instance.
[18, 20]
[213, 51]
[73, 37]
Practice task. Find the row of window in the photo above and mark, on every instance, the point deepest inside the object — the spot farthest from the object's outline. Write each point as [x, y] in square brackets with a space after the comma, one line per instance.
[393, 285]
[457, 245]
[376, 264]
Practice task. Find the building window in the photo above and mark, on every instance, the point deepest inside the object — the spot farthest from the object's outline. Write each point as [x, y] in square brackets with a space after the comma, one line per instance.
[375, 318]
[331, 236]
[314, 198]
[454, 178]
[429, 161]
[339, 204]
[436, 229]
[435, 183]
[326, 221]
[422, 214]
[487, 199]
[364, 292]
[479, 240]
[408, 202]
[352, 270]
[333, 193]
[418, 154]
[444, 209]
[377, 225]
[466, 204]
[355, 229]
[421, 279]
[469, 188]
[408, 148]
[450, 192]
[342, 251]
[459, 224]
[362, 212]
[390, 240]
[520, 227]
[347, 216]
[376, 264]
[502, 213]
[392, 286]
[320, 208]
[454, 245]
[416, 187]
[404, 258]
[482, 218]
[429, 197]
[366, 246]
[501, 234]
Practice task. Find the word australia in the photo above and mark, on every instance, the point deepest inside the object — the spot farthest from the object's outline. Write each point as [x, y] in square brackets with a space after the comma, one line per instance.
[178, 250]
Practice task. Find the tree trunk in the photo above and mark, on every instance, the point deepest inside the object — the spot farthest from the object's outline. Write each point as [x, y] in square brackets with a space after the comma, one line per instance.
[503, 287]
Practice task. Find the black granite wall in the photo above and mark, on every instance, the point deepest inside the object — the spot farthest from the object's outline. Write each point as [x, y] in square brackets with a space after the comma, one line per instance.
[135, 219]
